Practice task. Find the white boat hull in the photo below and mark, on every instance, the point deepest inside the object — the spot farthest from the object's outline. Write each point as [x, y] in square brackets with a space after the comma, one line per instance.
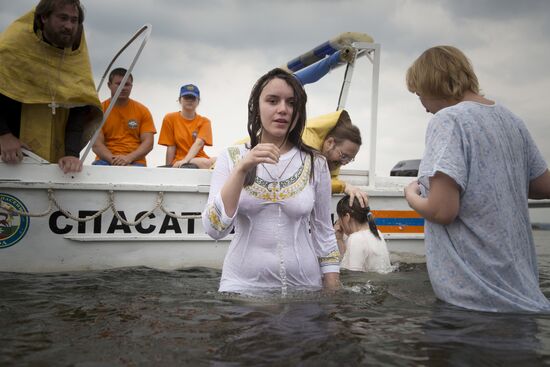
[51, 241]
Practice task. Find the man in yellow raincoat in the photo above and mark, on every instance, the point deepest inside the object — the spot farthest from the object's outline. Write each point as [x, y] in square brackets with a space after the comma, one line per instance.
[339, 141]
[48, 101]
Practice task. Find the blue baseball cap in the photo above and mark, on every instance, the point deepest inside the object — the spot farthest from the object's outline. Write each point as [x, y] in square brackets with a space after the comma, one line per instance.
[190, 89]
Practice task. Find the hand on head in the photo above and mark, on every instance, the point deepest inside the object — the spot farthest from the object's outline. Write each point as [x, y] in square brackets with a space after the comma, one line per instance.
[355, 192]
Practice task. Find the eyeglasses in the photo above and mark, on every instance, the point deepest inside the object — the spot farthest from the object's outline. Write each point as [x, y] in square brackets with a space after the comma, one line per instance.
[189, 97]
[344, 158]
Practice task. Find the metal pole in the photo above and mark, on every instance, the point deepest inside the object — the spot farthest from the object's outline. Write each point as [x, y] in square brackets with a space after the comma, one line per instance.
[345, 86]
[147, 29]
[374, 115]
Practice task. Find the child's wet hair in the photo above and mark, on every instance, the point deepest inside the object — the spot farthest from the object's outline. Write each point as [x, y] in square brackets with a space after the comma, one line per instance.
[360, 214]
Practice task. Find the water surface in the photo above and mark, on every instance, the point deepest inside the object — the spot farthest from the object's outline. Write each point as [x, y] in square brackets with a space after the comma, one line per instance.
[143, 317]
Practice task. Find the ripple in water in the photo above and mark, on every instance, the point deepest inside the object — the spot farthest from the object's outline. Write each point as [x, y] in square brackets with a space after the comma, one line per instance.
[141, 316]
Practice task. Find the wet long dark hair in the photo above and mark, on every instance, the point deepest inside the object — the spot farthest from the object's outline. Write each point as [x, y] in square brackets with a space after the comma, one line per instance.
[361, 215]
[254, 125]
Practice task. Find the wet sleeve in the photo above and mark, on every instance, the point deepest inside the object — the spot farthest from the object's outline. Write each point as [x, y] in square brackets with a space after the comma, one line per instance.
[322, 231]
[536, 162]
[214, 219]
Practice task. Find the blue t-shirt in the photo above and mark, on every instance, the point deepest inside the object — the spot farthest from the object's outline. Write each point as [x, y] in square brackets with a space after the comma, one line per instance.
[485, 260]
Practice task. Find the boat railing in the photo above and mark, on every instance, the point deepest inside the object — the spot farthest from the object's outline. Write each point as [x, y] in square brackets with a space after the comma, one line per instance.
[144, 31]
[545, 203]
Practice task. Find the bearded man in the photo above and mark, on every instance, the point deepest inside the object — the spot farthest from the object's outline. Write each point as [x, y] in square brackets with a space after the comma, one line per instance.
[48, 101]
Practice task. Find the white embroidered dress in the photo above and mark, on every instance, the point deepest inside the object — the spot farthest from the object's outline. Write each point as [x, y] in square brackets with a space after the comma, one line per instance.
[273, 244]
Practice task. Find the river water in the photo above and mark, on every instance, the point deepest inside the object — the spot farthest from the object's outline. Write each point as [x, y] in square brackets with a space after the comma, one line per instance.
[145, 317]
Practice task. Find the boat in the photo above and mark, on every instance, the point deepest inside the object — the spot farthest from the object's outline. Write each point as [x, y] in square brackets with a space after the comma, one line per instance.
[110, 217]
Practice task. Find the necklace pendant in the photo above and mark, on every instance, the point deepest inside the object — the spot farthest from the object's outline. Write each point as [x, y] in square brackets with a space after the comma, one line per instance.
[53, 106]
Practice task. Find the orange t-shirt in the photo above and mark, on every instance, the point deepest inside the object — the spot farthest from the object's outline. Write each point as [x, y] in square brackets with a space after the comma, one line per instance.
[179, 132]
[122, 130]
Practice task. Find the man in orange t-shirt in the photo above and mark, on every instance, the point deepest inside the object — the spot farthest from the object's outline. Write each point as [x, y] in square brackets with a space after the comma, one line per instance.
[185, 133]
[127, 135]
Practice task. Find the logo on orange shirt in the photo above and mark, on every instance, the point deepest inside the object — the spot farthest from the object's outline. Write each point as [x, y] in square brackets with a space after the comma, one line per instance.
[132, 124]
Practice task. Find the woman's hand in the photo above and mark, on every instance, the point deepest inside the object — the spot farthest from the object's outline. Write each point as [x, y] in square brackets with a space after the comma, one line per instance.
[178, 164]
[412, 190]
[261, 153]
[331, 283]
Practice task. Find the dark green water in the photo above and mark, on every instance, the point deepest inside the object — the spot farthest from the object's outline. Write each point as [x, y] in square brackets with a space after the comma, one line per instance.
[144, 317]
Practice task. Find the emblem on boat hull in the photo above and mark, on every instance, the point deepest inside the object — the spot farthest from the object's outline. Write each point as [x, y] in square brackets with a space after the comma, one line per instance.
[13, 227]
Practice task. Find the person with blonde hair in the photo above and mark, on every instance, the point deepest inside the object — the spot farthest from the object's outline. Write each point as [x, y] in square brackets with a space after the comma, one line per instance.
[480, 166]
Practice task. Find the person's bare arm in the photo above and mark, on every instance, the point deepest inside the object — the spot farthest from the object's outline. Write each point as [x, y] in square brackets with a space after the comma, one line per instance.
[170, 154]
[101, 149]
[142, 150]
[331, 282]
[443, 202]
[539, 188]
[192, 153]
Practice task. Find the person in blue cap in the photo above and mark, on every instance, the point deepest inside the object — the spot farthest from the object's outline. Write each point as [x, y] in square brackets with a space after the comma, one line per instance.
[185, 133]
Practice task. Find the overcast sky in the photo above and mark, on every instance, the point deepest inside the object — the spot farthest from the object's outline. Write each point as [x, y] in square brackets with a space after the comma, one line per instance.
[224, 46]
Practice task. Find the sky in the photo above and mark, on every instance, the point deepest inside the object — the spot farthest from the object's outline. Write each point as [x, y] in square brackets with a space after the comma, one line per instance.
[224, 46]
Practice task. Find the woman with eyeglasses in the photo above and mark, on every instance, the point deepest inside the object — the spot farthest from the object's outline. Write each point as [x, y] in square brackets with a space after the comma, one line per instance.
[185, 133]
[339, 141]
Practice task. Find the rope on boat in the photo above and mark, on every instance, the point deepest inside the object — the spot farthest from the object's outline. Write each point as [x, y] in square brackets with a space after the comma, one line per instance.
[160, 200]
[52, 202]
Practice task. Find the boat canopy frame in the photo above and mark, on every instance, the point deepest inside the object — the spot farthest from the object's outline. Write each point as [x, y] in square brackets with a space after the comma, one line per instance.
[371, 51]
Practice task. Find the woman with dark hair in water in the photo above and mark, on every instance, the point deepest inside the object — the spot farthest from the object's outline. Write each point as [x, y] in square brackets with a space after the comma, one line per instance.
[275, 192]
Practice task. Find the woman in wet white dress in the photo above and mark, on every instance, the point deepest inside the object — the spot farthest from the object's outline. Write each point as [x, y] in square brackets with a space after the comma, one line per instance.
[275, 192]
